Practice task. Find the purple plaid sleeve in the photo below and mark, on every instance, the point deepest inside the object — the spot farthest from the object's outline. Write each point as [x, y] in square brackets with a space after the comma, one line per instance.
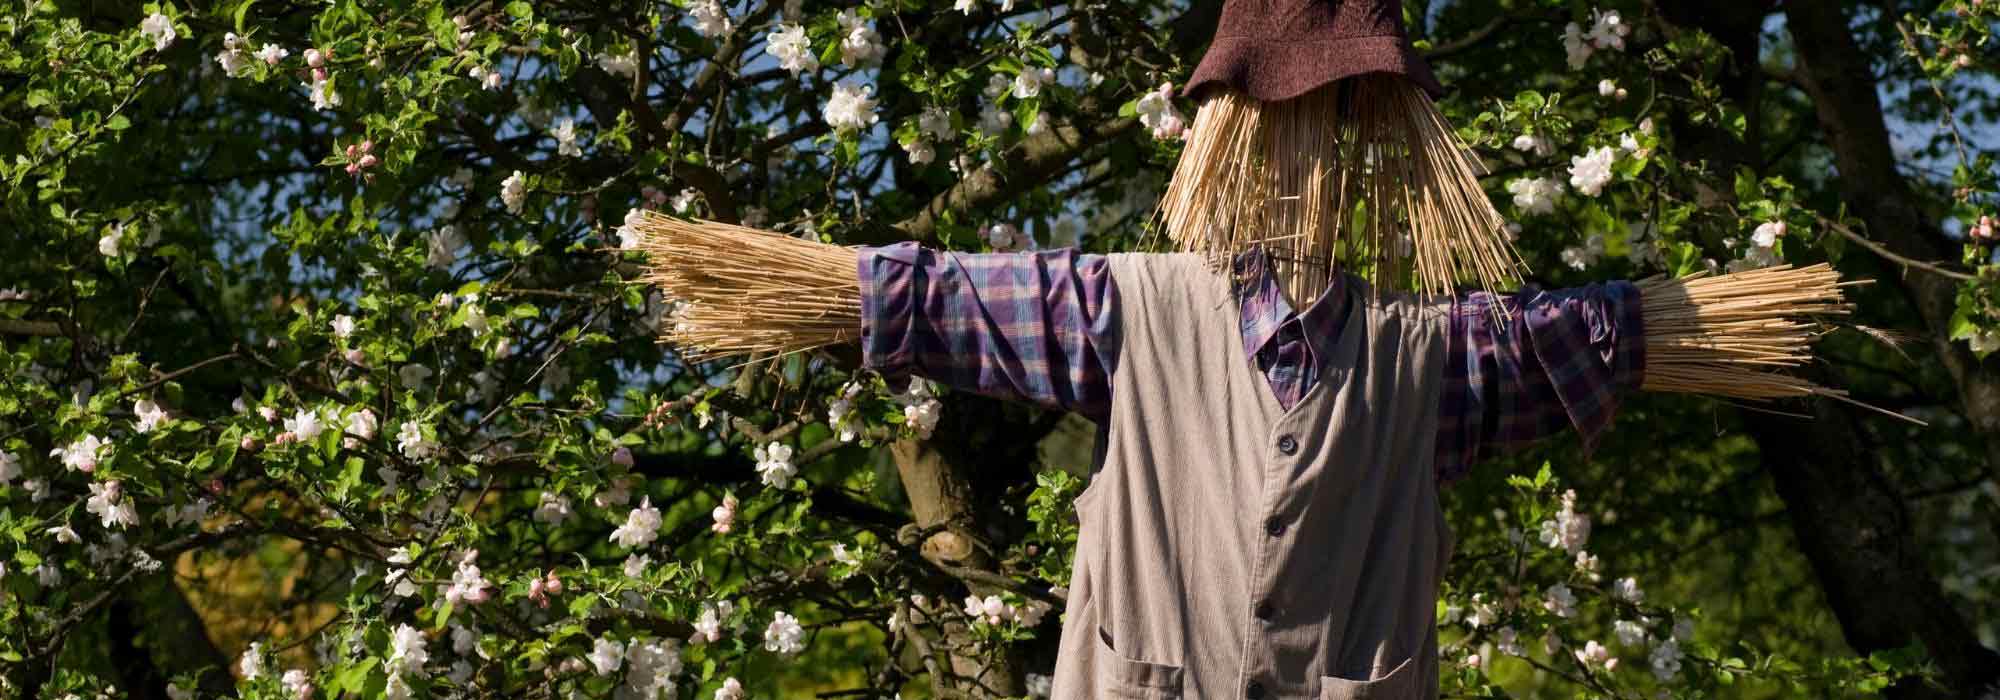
[1038, 326]
[1560, 360]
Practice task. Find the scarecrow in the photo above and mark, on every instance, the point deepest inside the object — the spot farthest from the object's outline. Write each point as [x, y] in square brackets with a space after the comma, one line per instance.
[1279, 402]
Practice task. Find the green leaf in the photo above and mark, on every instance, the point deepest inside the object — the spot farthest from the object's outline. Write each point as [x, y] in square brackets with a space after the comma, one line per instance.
[243, 11]
[118, 123]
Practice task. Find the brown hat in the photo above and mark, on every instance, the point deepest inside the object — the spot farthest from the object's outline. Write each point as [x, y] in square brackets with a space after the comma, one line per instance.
[1279, 49]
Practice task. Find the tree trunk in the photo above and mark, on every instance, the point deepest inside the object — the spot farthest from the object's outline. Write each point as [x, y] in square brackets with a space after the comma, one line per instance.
[941, 497]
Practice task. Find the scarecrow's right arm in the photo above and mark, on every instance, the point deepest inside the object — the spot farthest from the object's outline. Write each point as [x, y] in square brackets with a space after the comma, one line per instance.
[1036, 327]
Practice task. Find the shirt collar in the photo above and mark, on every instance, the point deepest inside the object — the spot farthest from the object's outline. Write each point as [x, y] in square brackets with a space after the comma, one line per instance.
[1264, 310]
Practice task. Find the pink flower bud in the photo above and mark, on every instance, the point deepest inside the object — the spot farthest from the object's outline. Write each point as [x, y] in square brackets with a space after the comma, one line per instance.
[368, 161]
[285, 438]
[368, 146]
[314, 58]
[357, 358]
[554, 584]
[351, 151]
[319, 75]
[215, 486]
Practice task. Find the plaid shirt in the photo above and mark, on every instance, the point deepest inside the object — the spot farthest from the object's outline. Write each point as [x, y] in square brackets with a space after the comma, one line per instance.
[1042, 327]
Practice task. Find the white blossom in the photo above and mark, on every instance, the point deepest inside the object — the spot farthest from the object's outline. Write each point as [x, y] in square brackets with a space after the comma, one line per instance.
[565, 135]
[635, 565]
[107, 245]
[48, 575]
[150, 416]
[82, 454]
[553, 508]
[1627, 589]
[732, 689]
[850, 107]
[606, 656]
[1589, 173]
[64, 534]
[724, 515]
[410, 440]
[514, 192]
[774, 464]
[160, 29]
[468, 583]
[683, 201]
[413, 375]
[408, 651]
[922, 416]
[1629, 633]
[920, 152]
[1608, 30]
[1535, 195]
[232, 58]
[306, 424]
[271, 54]
[625, 64]
[710, 19]
[1666, 659]
[1028, 82]
[10, 467]
[628, 232]
[1580, 257]
[323, 95]
[1534, 143]
[1569, 529]
[708, 627]
[251, 664]
[1157, 113]
[964, 6]
[1594, 654]
[792, 48]
[1559, 600]
[859, 44]
[297, 684]
[343, 326]
[1576, 46]
[443, 246]
[641, 527]
[935, 123]
[994, 121]
[1767, 233]
[106, 503]
[784, 635]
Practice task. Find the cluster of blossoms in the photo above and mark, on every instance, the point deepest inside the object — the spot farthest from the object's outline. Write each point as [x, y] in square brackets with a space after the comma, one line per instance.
[784, 636]
[932, 126]
[774, 465]
[710, 20]
[840, 413]
[1760, 250]
[650, 665]
[921, 411]
[236, 54]
[1607, 31]
[1535, 195]
[1568, 531]
[1157, 113]
[641, 526]
[992, 610]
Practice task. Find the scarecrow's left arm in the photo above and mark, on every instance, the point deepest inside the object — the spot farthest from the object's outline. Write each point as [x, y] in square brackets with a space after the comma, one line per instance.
[1561, 359]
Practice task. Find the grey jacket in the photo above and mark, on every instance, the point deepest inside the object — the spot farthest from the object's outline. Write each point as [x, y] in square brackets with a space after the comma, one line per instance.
[1233, 549]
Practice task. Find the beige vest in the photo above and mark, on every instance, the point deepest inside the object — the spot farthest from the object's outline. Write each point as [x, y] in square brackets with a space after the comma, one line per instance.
[1232, 549]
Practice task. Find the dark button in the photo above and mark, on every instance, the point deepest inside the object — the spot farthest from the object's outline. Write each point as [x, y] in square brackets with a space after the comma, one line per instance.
[1264, 610]
[1254, 690]
[1274, 526]
[1288, 445]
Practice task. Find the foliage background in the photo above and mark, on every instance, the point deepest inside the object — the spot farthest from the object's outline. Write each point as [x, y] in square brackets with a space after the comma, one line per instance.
[184, 236]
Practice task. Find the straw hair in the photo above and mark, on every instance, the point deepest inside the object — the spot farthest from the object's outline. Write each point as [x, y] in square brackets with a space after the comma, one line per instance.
[744, 292]
[1363, 173]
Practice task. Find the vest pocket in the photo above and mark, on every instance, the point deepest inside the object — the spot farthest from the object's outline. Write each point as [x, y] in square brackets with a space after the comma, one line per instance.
[1399, 684]
[1131, 678]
